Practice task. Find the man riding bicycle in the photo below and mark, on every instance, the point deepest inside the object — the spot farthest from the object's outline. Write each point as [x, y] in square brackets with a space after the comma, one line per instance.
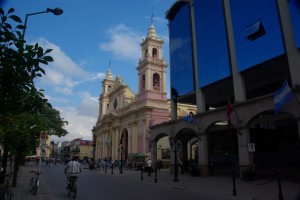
[72, 169]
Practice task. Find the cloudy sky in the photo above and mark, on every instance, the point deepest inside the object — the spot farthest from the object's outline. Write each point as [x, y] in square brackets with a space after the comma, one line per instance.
[86, 39]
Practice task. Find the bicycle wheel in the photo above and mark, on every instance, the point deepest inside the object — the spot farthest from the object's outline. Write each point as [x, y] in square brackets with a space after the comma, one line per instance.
[31, 184]
[70, 188]
[74, 191]
[35, 187]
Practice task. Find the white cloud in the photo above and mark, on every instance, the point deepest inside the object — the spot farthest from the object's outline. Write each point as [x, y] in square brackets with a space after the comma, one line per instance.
[52, 99]
[124, 44]
[98, 76]
[63, 90]
[81, 119]
[61, 77]
[64, 74]
[63, 63]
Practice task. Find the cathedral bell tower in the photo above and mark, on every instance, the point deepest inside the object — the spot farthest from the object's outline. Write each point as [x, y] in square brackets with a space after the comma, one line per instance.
[107, 85]
[152, 68]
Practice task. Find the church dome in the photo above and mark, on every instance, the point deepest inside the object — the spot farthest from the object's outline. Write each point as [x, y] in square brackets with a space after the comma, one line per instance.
[108, 75]
[151, 32]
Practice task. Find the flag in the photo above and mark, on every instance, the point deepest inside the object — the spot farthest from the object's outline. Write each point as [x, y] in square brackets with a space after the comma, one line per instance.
[229, 112]
[189, 118]
[282, 96]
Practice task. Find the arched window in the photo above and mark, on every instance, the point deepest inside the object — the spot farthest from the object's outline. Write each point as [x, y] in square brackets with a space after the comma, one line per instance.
[156, 81]
[143, 82]
[109, 88]
[107, 108]
[154, 53]
[146, 53]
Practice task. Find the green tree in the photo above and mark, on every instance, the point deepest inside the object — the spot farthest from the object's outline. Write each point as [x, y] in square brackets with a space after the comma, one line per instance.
[22, 105]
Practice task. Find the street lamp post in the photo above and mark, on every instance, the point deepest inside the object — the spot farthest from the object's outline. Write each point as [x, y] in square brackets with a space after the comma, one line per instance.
[121, 166]
[56, 11]
[175, 145]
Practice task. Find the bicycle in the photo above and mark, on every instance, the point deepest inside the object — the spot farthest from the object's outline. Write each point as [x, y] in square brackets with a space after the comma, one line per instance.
[34, 182]
[72, 188]
[6, 191]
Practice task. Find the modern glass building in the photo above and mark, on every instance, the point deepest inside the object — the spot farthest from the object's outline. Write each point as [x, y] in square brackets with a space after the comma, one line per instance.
[238, 52]
[257, 47]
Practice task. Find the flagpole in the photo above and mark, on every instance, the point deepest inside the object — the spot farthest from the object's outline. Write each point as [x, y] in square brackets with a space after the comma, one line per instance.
[237, 117]
[233, 165]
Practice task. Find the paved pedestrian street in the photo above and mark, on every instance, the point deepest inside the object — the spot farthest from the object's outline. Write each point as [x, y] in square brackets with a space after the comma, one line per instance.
[132, 185]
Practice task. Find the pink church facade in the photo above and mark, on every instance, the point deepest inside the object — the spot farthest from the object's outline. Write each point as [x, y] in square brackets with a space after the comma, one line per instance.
[124, 117]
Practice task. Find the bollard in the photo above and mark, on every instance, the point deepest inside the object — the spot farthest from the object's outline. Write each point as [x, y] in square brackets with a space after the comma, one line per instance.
[233, 182]
[279, 185]
[105, 168]
[155, 175]
[142, 173]
[112, 169]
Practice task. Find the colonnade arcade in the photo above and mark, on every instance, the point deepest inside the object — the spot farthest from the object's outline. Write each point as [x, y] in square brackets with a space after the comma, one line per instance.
[276, 137]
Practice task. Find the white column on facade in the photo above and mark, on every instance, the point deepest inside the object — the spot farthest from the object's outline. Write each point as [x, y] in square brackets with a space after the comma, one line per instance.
[244, 155]
[292, 52]
[202, 151]
[130, 138]
[118, 141]
[110, 134]
[148, 79]
[164, 81]
[238, 81]
[96, 147]
[134, 137]
[104, 145]
[144, 131]
[113, 143]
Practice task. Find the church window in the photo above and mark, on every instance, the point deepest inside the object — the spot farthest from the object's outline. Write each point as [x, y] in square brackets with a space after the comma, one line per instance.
[156, 81]
[109, 88]
[146, 53]
[154, 53]
[143, 82]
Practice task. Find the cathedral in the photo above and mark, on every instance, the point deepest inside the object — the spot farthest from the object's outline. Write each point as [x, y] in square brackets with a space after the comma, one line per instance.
[125, 118]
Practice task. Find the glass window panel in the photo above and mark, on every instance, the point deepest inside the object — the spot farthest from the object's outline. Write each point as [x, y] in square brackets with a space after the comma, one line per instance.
[212, 51]
[182, 81]
[294, 6]
[252, 52]
[255, 30]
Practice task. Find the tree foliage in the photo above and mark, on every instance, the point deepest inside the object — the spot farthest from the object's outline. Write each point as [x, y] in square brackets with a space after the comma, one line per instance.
[22, 105]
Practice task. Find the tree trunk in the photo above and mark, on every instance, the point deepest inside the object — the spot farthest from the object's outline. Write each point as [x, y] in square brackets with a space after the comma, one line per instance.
[16, 169]
[4, 164]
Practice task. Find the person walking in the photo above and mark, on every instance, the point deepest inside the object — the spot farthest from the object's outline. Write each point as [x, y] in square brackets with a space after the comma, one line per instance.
[149, 166]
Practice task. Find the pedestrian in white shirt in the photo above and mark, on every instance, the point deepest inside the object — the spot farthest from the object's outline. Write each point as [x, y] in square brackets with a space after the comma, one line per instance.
[72, 169]
[149, 166]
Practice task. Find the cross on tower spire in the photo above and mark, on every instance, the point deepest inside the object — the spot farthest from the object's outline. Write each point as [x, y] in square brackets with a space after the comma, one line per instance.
[152, 16]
